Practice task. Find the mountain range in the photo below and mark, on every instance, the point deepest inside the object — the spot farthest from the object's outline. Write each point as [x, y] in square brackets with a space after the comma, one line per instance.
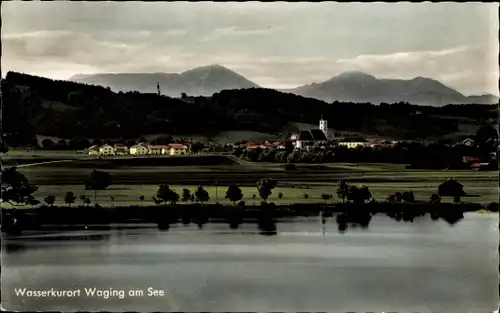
[351, 86]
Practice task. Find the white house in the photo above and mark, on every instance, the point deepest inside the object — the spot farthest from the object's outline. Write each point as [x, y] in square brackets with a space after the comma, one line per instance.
[94, 150]
[107, 150]
[155, 149]
[354, 142]
[177, 149]
[469, 142]
[121, 149]
[139, 150]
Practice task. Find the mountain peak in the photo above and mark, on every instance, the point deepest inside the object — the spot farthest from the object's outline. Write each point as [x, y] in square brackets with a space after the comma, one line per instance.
[209, 67]
[356, 75]
[421, 78]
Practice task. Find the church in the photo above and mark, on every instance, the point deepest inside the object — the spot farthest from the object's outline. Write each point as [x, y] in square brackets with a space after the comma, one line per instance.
[307, 139]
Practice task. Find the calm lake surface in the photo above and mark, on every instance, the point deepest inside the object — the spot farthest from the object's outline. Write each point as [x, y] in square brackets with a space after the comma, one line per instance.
[393, 266]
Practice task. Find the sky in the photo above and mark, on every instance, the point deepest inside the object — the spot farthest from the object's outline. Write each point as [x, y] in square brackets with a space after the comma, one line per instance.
[276, 45]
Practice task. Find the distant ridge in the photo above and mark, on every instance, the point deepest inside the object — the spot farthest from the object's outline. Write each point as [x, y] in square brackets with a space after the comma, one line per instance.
[352, 86]
[200, 81]
[361, 87]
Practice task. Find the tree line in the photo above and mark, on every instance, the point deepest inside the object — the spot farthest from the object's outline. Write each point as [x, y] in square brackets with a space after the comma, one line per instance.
[416, 156]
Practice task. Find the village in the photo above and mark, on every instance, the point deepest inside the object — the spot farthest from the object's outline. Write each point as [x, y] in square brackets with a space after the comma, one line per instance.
[303, 140]
[314, 140]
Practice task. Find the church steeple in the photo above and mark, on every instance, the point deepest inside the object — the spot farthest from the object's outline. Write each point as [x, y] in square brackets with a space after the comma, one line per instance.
[323, 125]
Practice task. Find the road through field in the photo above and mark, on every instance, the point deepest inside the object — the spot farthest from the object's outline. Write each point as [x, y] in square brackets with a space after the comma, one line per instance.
[42, 163]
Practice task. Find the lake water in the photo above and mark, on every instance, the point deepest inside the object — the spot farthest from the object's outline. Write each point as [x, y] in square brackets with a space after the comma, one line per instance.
[420, 267]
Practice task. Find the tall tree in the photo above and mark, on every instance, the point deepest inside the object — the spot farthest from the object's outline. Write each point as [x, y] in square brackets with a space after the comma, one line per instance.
[186, 195]
[234, 194]
[98, 180]
[69, 198]
[166, 194]
[50, 200]
[265, 188]
[486, 132]
[201, 195]
[16, 187]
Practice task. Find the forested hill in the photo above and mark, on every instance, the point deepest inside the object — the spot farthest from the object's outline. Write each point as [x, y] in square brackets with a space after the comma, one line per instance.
[36, 105]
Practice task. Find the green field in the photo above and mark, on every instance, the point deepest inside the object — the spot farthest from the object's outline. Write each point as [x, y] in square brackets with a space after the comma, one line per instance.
[133, 177]
[129, 194]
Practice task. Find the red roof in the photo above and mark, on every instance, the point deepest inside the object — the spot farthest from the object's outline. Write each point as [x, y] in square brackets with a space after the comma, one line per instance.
[471, 158]
[479, 164]
[158, 147]
[253, 146]
[177, 146]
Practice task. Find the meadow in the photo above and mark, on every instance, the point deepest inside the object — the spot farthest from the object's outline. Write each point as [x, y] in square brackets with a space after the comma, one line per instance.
[125, 195]
[140, 176]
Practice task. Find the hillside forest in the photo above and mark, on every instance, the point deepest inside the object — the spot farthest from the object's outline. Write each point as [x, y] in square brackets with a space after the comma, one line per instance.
[40, 106]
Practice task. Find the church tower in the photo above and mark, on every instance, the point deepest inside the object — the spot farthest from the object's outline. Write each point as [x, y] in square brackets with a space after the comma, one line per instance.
[323, 126]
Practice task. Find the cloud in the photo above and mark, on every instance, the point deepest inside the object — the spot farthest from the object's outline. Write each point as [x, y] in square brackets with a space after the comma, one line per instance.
[398, 59]
[468, 69]
[234, 33]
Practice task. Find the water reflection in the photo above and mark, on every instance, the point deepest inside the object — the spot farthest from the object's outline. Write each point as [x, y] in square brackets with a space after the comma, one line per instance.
[305, 266]
[267, 227]
[13, 248]
[235, 217]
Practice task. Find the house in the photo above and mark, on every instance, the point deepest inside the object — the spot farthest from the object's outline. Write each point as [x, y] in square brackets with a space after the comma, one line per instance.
[121, 149]
[469, 142]
[247, 144]
[471, 159]
[94, 150]
[164, 149]
[253, 146]
[274, 145]
[378, 143]
[480, 165]
[353, 142]
[177, 149]
[493, 156]
[107, 150]
[155, 149]
[139, 149]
